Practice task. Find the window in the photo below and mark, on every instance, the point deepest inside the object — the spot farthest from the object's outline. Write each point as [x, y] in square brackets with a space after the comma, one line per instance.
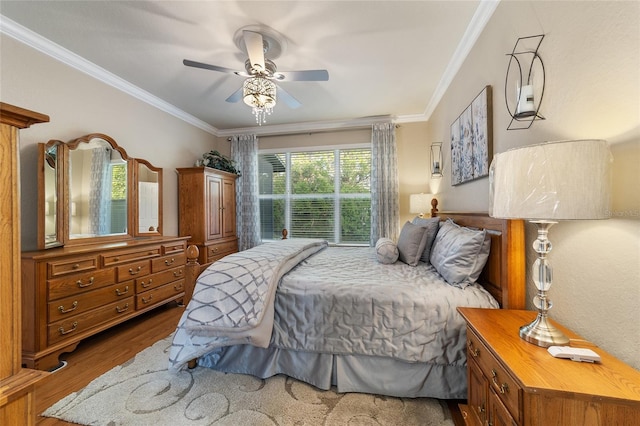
[317, 194]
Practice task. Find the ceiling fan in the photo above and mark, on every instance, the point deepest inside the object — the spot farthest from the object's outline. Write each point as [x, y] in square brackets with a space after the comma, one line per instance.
[261, 74]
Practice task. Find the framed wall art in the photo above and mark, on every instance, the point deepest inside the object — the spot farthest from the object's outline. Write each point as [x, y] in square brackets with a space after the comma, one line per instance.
[472, 140]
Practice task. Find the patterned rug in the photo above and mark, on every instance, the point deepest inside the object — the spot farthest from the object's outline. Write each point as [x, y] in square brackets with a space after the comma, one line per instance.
[143, 392]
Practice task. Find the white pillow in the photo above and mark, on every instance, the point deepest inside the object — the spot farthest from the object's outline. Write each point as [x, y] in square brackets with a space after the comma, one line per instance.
[460, 253]
[386, 251]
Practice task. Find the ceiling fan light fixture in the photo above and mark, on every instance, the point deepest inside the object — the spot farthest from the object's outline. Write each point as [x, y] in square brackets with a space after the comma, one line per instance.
[260, 94]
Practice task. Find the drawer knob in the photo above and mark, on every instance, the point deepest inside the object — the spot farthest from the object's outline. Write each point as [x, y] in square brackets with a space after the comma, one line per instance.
[80, 284]
[76, 266]
[120, 293]
[169, 262]
[116, 259]
[147, 284]
[475, 352]
[147, 300]
[123, 309]
[62, 331]
[177, 273]
[73, 307]
[177, 287]
[137, 271]
[504, 388]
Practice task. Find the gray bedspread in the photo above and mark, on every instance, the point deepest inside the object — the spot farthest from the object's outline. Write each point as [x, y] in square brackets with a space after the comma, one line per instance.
[342, 301]
[233, 299]
[339, 300]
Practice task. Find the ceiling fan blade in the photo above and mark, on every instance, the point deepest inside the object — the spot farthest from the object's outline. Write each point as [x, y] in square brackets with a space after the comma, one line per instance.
[255, 48]
[285, 97]
[195, 64]
[307, 75]
[235, 96]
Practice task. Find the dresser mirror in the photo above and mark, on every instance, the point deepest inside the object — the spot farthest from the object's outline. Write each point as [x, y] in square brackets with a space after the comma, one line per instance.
[49, 181]
[91, 189]
[149, 195]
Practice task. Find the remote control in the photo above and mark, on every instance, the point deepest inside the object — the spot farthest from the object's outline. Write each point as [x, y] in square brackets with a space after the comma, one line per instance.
[574, 354]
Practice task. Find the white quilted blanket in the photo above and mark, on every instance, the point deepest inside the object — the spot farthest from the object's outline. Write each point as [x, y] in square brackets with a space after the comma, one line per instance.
[233, 299]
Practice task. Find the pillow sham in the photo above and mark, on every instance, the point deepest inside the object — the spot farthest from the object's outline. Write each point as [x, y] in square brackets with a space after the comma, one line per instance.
[411, 243]
[460, 253]
[432, 226]
[386, 251]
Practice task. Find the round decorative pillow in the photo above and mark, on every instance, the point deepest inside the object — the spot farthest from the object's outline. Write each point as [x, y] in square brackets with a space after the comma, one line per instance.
[386, 251]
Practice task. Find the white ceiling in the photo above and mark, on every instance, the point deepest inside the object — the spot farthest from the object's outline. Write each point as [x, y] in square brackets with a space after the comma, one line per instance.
[384, 58]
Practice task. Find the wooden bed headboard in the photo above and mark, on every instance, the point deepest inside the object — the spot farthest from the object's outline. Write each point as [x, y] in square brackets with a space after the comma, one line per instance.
[504, 274]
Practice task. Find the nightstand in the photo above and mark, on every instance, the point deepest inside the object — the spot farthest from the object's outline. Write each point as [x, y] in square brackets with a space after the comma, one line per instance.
[512, 382]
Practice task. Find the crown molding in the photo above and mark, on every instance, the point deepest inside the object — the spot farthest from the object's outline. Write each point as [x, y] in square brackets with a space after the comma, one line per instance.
[46, 46]
[476, 26]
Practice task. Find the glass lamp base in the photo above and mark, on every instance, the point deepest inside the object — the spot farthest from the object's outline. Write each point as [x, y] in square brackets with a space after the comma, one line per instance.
[542, 333]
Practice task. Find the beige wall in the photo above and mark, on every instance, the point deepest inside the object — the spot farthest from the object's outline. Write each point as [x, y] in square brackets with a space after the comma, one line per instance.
[591, 52]
[78, 105]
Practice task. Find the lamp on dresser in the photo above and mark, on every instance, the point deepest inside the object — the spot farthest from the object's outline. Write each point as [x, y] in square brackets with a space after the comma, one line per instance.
[546, 183]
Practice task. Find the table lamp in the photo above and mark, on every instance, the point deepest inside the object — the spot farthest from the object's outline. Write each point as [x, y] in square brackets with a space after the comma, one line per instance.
[546, 183]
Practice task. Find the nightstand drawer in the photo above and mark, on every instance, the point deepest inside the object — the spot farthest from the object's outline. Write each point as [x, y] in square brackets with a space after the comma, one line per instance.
[500, 381]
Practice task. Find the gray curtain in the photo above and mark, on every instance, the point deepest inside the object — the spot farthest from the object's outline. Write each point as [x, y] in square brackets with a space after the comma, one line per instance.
[385, 209]
[244, 151]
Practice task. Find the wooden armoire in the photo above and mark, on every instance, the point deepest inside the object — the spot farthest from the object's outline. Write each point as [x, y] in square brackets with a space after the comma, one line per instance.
[207, 211]
[17, 384]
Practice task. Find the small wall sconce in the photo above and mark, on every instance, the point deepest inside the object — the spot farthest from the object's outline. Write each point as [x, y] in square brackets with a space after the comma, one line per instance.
[528, 91]
[422, 203]
[436, 159]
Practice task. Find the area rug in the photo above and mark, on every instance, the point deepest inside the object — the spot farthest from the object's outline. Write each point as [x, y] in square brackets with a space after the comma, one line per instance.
[143, 392]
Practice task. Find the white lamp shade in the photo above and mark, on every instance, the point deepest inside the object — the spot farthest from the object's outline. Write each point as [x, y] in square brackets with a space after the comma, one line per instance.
[420, 203]
[552, 181]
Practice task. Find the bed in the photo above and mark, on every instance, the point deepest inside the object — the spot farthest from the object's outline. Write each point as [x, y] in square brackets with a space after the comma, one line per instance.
[336, 316]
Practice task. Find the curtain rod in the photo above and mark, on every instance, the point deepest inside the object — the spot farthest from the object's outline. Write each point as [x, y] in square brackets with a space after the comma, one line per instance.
[311, 132]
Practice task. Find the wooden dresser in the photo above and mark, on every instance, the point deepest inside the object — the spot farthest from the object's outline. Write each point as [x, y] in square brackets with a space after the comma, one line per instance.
[512, 382]
[207, 211]
[70, 293]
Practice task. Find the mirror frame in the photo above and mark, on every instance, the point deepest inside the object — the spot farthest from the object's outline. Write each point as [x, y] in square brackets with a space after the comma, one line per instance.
[137, 162]
[63, 213]
[42, 194]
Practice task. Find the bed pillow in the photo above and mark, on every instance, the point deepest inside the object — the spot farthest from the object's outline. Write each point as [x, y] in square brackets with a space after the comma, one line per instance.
[386, 251]
[411, 243]
[432, 226]
[460, 253]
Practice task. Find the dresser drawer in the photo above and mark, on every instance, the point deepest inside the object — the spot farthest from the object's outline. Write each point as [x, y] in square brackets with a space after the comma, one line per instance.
[499, 380]
[218, 251]
[133, 270]
[174, 247]
[79, 283]
[57, 268]
[160, 294]
[130, 255]
[70, 306]
[167, 262]
[70, 327]
[156, 280]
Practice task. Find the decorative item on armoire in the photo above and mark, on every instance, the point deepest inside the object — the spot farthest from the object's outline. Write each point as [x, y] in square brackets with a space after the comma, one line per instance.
[472, 140]
[545, 183]
[529, 86]
[215, 160]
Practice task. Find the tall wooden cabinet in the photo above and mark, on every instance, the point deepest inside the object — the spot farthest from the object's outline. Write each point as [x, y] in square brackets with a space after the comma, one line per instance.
[207, 211]
[17, 385]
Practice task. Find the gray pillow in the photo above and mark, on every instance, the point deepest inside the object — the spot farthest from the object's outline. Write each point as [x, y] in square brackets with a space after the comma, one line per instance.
[460, 253]
[411, 243]
[431, 225]
[386, 251]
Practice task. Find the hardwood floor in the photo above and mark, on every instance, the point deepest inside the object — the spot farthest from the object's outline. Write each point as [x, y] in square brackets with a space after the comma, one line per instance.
[100, 353]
